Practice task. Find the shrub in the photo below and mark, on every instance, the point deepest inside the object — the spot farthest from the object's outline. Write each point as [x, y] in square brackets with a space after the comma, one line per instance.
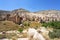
[2, 36]
[26, 23]
[20, 30]
[54, 34]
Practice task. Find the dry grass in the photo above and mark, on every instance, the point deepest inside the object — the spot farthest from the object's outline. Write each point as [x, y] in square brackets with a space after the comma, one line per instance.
[8, 25]
[35, 24]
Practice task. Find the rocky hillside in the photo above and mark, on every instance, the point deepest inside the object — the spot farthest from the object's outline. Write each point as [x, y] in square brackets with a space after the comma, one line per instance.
[3, 12]
[44, 15]
[21, 11]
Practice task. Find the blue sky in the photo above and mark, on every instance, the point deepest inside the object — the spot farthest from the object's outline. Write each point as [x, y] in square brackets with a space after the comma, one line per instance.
[32, 5]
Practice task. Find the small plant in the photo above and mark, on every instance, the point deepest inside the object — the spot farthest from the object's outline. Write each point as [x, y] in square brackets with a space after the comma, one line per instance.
[55, 34]
[20, 30]
[4, 23]
[26, 23]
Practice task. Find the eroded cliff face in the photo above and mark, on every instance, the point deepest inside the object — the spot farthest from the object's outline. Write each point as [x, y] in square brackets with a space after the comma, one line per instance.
[20, 15]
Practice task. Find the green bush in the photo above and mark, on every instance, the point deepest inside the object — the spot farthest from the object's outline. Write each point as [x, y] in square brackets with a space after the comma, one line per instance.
[55, 34]
[20, 30]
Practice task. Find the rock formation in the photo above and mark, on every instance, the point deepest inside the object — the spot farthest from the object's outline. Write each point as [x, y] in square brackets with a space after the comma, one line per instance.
[20, 15]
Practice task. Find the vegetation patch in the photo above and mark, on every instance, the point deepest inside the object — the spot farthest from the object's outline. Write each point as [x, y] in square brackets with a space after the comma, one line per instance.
[53, 24]
[8, 25]
[54, 34]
